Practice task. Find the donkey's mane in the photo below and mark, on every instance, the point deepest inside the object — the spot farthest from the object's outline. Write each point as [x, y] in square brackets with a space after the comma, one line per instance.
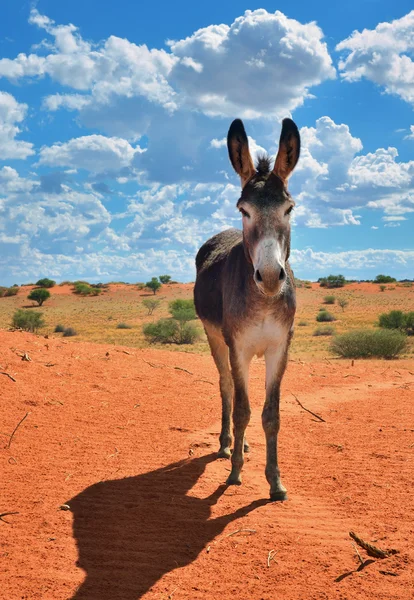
[263, 164]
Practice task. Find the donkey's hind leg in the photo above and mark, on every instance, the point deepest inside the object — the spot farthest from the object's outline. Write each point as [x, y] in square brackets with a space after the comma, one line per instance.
[220, 353]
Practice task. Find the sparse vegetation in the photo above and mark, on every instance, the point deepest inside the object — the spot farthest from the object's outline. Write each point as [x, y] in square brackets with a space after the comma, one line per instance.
[46, 283]
[382, 287]
[343, 303]
[59, 328]
[384, 279]
[182, 310]
[151, 304]
[397, 319]
[324, 330]
[369, 344]
[84, 289]
[329, 300]
[123, 326]
[165, 278]
[29, 320]
[69, 332]
[153, 285]
[332, 281]
[5, 292]
[325, 316]
[177, 330]
[39, 295]
[302, 323]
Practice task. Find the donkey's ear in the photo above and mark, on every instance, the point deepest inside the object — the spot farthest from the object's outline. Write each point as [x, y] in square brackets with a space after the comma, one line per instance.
[289, 150]
[238, 147]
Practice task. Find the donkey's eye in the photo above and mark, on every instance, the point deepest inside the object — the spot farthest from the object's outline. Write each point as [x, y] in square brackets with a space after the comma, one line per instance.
[244, 213]
[289, 210]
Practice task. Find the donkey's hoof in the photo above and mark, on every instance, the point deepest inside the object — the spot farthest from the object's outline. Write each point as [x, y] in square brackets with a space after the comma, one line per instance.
[224, 453]
[246, 447]
[278, 496]
[234, 479]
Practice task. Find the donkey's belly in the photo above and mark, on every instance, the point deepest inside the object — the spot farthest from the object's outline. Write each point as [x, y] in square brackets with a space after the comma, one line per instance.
[267, 334]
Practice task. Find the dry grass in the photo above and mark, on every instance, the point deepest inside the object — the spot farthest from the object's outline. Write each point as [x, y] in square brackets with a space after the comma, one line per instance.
[96, 319]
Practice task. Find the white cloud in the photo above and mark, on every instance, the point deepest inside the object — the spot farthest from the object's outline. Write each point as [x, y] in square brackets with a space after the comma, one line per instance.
[350, 260]
[410, 136]
[382, 55]
[95, 153]
[12, 112]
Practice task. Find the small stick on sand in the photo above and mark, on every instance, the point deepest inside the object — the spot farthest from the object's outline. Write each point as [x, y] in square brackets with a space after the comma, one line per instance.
[204, 381]
[5, 514]
[152, 364]
[358, 554]
[8, 375]
[15, 429]
[185, 370]
[241, 531]
[270, 557]
[370, 549]
[307, 409]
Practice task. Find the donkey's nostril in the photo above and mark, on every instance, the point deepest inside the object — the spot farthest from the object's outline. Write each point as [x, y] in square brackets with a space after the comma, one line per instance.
[258, 276]
[282, 274]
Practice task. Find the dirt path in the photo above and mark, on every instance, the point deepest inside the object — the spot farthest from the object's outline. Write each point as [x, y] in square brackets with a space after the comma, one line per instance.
[127, 440]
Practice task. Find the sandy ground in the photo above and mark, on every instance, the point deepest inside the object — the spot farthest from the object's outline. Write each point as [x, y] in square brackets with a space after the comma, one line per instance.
[126, 438]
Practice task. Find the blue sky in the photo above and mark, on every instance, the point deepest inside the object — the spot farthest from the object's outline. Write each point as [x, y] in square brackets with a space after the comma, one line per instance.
[113, 118]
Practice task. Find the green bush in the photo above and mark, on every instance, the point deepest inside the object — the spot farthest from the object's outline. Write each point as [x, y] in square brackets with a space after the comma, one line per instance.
[382, 287]
[153, 285]
[384, 279]
[69, 332]
[164, 331]
[60, 328]
[329, 300]
[39, 295]
[151, 304]
[46, 283]
[182, 310]
[84, 289]
[123, 326]
[332, 281]
[325, 317]
[188, 333]
[27, 320]
[8, 291]
[165, 278]
[369, 344]
[343, 303]
[397, 319]
[324, 330]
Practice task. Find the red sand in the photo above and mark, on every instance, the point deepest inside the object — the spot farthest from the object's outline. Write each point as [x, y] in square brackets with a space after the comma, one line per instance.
[127, 441]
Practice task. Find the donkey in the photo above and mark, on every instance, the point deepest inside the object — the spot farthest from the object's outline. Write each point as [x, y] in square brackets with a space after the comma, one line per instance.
[245, 295]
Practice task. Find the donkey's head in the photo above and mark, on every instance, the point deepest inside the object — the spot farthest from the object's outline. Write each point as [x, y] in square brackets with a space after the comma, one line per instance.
[265, 204]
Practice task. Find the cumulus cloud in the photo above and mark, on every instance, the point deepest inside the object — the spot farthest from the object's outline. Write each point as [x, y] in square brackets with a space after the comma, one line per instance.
[12, 112]
[350, 260]
[94, 153]
[382, 55]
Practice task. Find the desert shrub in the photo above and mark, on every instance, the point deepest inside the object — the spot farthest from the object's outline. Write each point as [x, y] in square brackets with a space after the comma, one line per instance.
[84, 289]
[151, 304]
[302, 323]
[397, 319]
[46, 283]
[384, 279]
[65, 283]
[369, 344]
[123, 326]
[382, 287]
[163, 331]
[325, 316]
[329, 300]
[27, 320]
[153, 285]
[39, 295]
[165, 278]
[69, 332]
[174, 281]
[141, 286]
[188, 333]
[59, 328]
[332, 281]
[8, 291]
[182, 310]
[343, 303]
[324, 330]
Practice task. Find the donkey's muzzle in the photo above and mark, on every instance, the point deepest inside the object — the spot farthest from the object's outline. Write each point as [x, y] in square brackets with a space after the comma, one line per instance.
[269, 279]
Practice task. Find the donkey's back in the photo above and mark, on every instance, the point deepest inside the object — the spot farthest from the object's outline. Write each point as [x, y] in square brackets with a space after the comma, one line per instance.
[211, 261]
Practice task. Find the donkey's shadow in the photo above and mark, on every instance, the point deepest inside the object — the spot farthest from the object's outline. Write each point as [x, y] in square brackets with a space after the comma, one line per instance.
[132, 531]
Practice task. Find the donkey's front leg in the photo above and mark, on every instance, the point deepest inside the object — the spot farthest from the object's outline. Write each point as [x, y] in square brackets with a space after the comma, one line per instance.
[241, 414]
[276, 359]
